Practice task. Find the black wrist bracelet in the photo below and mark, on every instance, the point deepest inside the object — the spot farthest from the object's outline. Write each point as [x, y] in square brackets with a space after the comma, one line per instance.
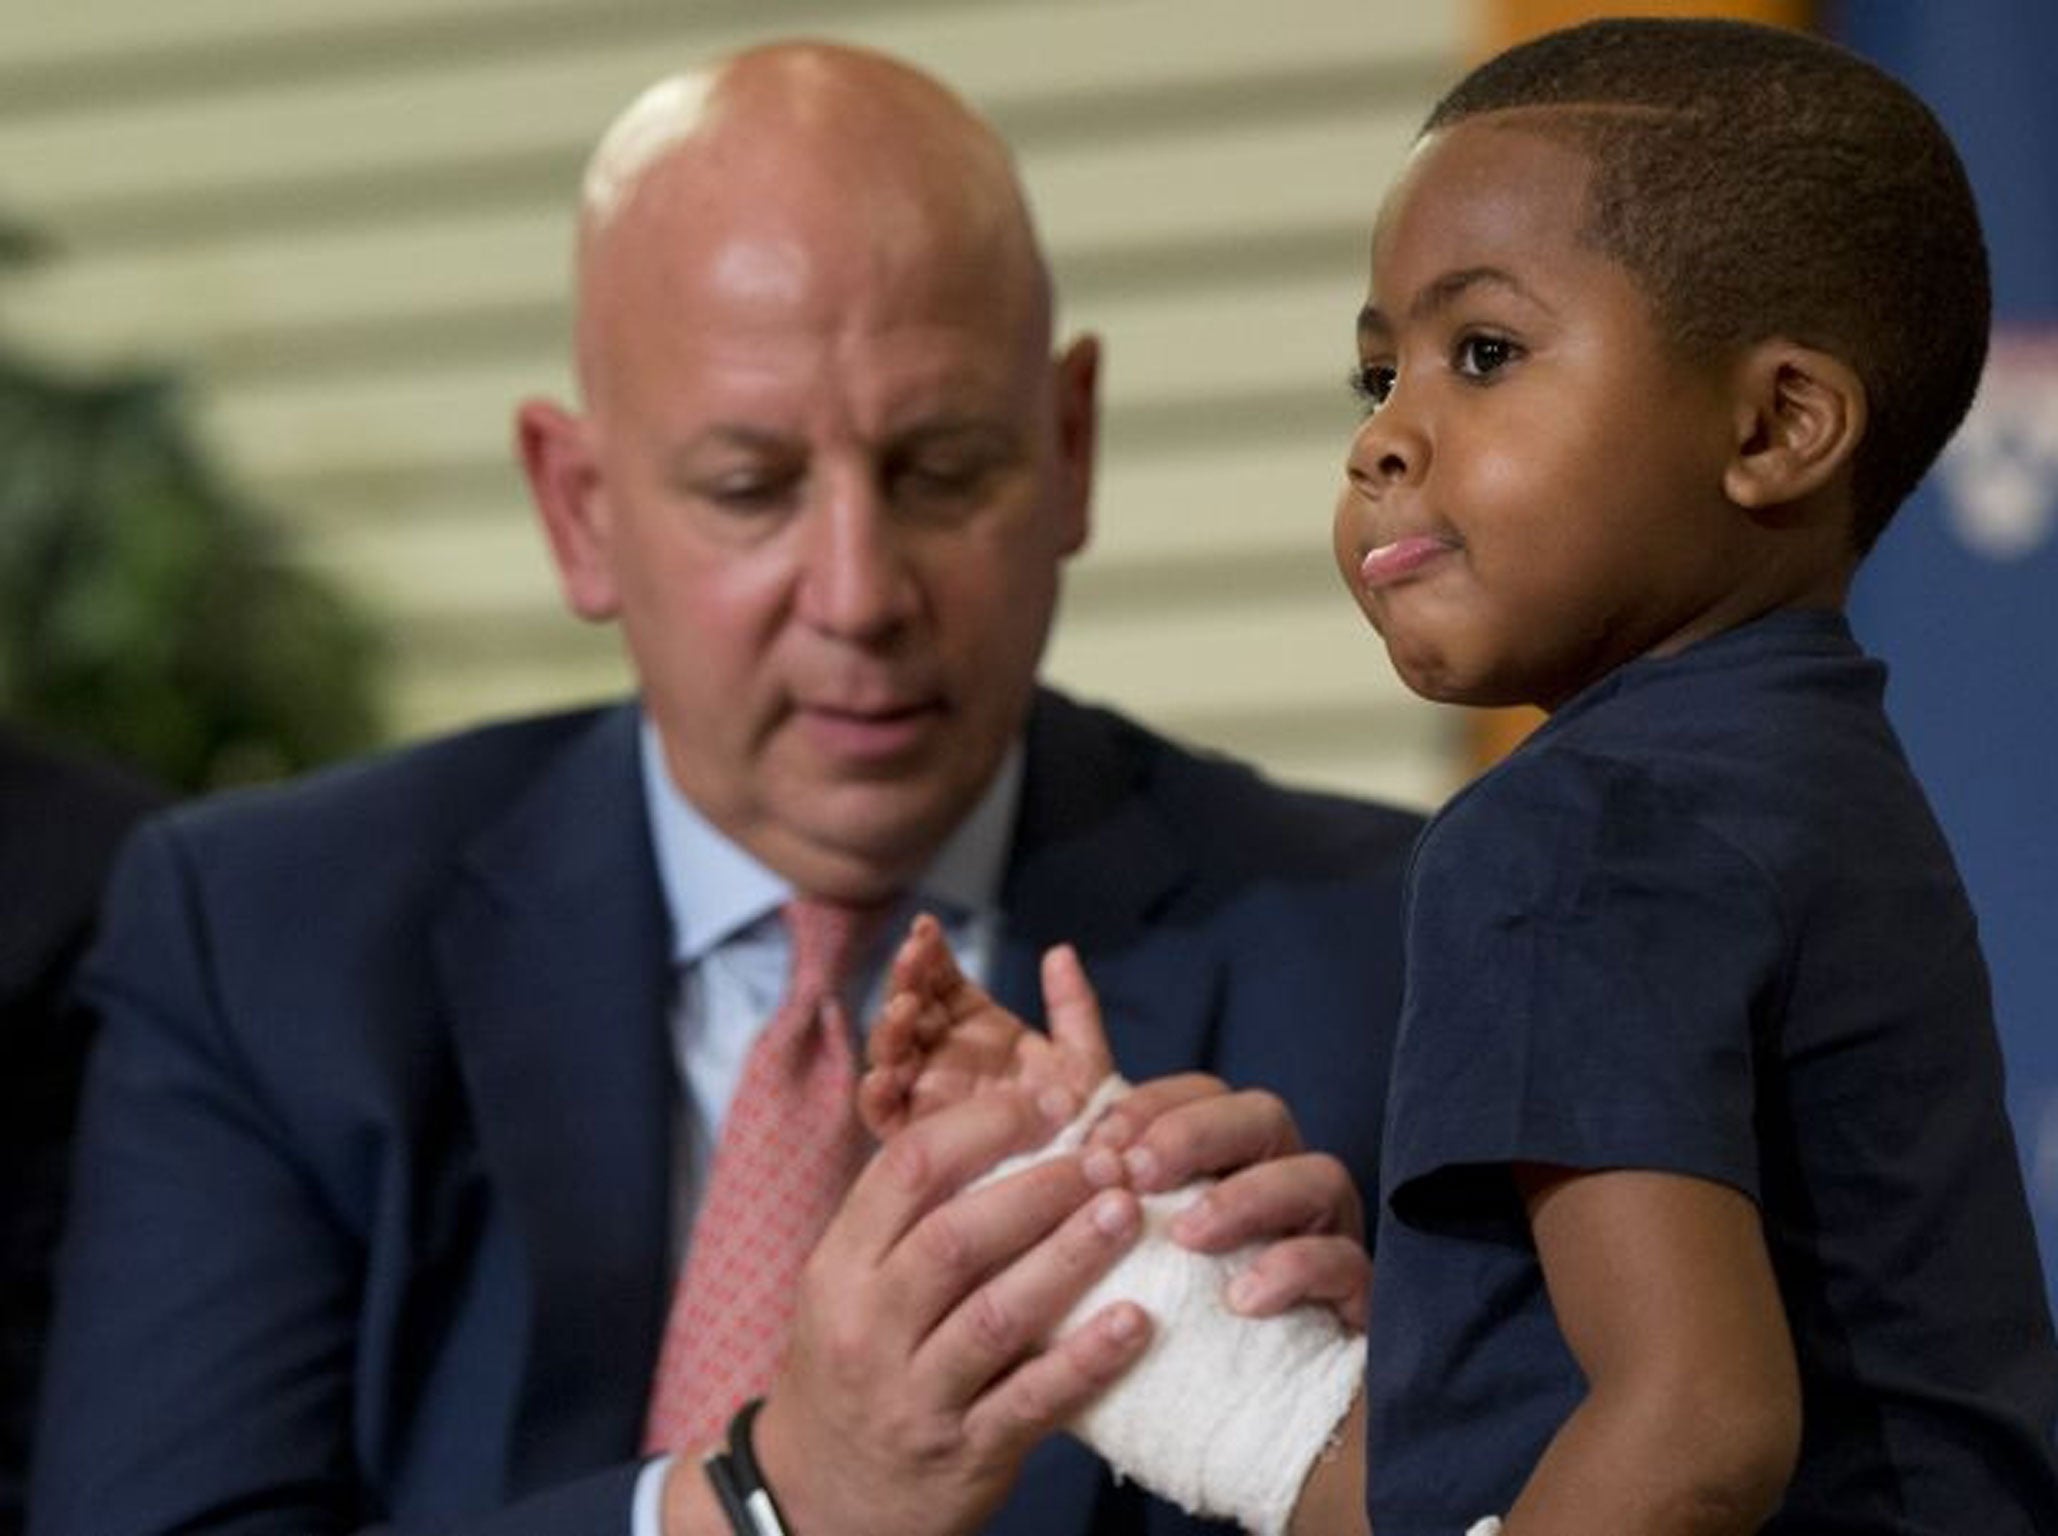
[739, 1486]
[721, 1476]
[762, 1508]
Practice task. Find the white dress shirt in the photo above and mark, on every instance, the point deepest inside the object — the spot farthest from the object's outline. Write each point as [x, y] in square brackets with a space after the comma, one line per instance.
[730, 953]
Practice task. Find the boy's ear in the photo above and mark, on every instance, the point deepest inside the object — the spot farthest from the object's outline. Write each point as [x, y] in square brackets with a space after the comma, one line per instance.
[1800, 415]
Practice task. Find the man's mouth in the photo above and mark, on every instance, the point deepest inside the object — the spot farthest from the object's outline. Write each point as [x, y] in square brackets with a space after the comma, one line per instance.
[870, 731]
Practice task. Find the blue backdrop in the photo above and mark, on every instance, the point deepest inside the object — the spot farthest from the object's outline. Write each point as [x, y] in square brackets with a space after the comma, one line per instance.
[1961, 597]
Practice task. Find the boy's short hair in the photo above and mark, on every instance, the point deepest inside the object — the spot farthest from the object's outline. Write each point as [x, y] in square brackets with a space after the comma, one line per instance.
[1758, 182]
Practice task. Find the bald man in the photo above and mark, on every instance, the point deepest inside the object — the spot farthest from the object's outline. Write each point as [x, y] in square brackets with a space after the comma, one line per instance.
[412, 1073]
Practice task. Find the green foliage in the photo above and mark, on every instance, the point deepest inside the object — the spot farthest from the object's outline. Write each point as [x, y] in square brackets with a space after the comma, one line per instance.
[147, 609]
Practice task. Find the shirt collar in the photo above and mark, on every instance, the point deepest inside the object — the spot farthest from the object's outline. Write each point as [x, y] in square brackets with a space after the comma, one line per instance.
[713, 888]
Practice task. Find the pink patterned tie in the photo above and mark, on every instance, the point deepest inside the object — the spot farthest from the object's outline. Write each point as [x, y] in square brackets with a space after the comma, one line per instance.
[789, 1149]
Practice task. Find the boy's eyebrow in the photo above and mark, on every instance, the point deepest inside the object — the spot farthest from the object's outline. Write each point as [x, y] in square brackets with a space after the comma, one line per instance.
[1446, 290]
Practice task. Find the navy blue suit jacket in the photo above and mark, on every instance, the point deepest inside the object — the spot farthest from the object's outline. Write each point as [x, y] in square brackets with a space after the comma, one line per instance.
[369, 1217]
[61, 819]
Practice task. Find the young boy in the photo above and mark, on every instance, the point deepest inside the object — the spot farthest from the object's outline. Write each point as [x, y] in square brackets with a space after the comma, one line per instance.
[1700, 1212]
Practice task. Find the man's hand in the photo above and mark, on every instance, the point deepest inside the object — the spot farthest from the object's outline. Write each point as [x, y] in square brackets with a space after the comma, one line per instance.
[1303, 1204]
[921, 1370]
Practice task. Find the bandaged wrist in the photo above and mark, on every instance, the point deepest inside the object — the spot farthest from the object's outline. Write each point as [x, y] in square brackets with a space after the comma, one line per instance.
[1224, 1415]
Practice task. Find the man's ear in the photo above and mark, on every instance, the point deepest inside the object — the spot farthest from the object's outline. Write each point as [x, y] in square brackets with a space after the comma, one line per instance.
[1800, 415]
[565, 483]
[1076, 377]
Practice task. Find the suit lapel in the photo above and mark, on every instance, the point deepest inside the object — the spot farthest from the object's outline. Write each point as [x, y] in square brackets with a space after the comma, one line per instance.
[553, 940]
[1096, 864]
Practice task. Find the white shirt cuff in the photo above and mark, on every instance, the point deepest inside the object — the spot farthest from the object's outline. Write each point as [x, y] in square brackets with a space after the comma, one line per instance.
[646, 1513]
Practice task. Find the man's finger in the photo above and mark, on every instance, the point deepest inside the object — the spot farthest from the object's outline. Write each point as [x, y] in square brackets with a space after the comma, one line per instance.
[929, 1162]
[996, 1325]
[1050, 1389]
[966, 1241]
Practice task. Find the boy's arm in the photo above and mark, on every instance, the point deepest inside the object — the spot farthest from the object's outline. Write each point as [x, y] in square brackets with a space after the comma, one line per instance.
[1332, 1500]
[1664, 1292]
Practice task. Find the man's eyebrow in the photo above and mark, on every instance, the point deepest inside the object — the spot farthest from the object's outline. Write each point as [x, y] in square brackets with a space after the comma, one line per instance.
[724, 434]
[1445, 291]
[956, 425]
[739, 434]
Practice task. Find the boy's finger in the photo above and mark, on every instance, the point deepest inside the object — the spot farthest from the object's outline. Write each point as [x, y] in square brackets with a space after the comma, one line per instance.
[938, 1086]
[1304, 1193]
[1144, 1103]
[913, 956]
[894, 1035]
[1216, 1134]
[1330, 1270]
[1074, 1010]
[881, 1102]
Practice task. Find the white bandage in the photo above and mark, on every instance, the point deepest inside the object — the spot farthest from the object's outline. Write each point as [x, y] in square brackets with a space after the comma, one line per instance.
[1224, 1415]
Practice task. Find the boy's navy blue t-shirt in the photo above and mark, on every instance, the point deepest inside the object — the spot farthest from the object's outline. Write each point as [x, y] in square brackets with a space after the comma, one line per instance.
[1704, 922]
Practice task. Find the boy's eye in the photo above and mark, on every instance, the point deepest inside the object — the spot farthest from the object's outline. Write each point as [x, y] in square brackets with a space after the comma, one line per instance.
[1479, 357]
[1372, 383]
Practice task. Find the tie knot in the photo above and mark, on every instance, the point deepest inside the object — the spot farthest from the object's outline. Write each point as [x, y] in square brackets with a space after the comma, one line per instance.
[827, 939]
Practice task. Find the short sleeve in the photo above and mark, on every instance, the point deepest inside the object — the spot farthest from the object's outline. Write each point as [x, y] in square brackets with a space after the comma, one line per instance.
[1587, 961]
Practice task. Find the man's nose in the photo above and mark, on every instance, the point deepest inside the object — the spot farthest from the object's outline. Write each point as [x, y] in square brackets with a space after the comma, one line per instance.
[858, 582]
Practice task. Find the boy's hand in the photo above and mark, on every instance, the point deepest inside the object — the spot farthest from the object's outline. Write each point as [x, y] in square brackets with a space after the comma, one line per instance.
[942, 1038]
[1272, 1190]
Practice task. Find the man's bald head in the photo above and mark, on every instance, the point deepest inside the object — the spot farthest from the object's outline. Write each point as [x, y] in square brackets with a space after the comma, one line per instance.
[769, 160]
[828, 467]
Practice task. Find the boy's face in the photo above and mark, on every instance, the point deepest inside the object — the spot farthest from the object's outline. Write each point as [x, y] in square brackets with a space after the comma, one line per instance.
[1535, 496]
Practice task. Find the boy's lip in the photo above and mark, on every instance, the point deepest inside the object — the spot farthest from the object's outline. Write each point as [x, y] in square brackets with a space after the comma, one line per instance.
[1402, 558]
